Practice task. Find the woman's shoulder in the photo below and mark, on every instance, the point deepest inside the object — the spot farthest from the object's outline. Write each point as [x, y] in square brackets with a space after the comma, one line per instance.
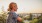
[11, 12]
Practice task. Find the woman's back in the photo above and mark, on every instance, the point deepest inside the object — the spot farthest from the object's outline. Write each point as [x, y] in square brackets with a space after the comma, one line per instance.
[12, 17]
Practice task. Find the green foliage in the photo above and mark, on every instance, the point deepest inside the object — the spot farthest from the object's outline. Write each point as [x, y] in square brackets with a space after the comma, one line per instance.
[34, 20]
[3, 18]
[40, 19]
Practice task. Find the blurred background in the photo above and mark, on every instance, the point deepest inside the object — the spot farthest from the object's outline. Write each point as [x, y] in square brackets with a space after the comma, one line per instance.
[29, 10]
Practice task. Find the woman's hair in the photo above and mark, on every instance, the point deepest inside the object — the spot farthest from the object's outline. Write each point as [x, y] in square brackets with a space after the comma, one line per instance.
[10, 6]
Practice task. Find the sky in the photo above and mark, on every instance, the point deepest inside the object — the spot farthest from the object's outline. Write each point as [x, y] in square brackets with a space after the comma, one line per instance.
[24, 6]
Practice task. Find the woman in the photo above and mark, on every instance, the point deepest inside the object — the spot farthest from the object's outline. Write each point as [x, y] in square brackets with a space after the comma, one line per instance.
[13, 17]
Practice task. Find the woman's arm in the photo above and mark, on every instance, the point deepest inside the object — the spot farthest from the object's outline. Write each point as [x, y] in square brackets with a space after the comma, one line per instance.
[19, 19]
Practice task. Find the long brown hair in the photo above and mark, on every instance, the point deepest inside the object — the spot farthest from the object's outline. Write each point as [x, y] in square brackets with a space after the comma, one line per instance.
[10, 6]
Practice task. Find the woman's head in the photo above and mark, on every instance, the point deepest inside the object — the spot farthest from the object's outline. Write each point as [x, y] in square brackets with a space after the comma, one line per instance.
[12, 6]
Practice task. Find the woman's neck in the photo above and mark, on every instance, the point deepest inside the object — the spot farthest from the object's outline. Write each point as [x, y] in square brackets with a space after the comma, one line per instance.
[12, 10]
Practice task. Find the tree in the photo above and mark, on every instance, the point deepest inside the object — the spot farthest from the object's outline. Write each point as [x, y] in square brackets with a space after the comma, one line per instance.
[4, 15]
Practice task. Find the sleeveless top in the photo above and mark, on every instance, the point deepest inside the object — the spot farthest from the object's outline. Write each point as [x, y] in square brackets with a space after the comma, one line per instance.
[12, 18]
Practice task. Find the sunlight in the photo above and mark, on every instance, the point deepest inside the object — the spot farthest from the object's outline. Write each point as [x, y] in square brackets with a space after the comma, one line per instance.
[23, 6]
